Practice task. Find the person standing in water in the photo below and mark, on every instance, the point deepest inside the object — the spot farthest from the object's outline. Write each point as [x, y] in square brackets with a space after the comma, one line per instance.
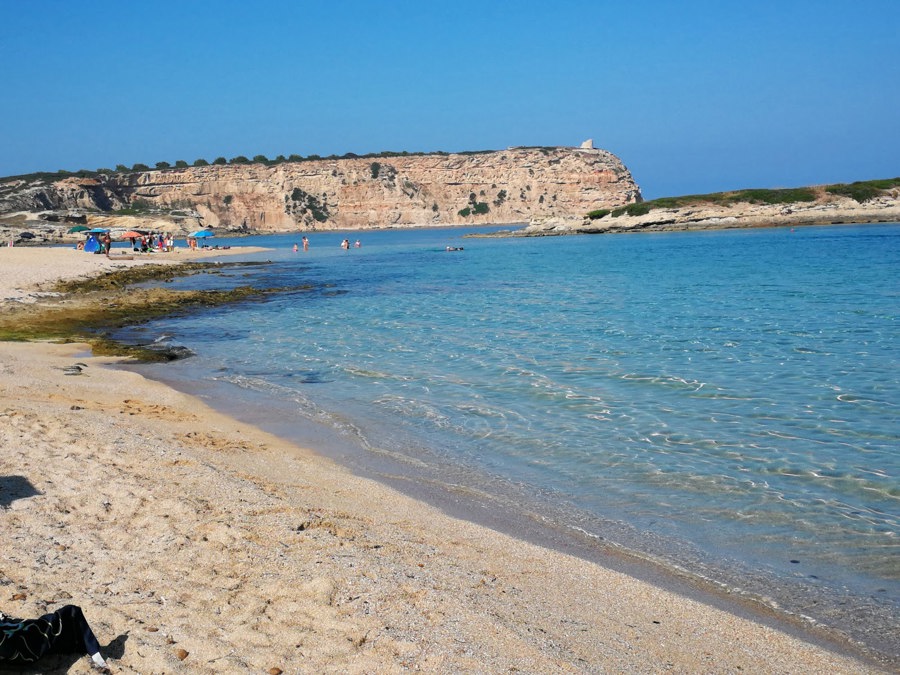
[305, 243]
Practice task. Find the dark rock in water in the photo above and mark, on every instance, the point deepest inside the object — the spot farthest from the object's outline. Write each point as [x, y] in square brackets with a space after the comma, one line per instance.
[170, 352]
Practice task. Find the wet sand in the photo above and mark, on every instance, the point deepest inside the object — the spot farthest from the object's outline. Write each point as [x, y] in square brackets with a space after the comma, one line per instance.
[195, 543]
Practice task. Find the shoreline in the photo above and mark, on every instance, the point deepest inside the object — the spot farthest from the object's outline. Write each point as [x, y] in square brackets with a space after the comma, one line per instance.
[187, 529]
[682, 570]
[173, 513]
[835, 211]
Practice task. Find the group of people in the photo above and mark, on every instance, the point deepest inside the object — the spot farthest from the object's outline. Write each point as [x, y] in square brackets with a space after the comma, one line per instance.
[344, 244]
[102, 243]
[153, 242]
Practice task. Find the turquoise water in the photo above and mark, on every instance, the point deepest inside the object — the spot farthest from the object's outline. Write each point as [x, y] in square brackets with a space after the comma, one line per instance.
[725, 402]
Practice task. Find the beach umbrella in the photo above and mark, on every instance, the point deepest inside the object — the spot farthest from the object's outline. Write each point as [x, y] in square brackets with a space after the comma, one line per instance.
[131, 234]
[96, 230]
[200, 234]
[78, 228]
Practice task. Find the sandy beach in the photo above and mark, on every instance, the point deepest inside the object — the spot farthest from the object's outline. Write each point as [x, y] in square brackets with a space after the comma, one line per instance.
[198, 544]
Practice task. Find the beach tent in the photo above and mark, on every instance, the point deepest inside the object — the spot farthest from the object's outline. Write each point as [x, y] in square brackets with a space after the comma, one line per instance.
[92, 245]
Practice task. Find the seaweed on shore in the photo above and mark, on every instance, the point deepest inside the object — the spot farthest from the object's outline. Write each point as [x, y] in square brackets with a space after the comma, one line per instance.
[144, 273]
[90, 308]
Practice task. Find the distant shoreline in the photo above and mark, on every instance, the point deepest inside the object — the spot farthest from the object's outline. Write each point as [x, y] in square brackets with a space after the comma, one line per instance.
[833, 211]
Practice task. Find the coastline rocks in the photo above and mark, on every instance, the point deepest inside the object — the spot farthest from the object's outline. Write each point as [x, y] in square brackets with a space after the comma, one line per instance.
[827, 210]
[351, 192]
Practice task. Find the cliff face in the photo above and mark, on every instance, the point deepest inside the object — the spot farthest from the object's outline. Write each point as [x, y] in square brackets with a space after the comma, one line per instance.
[506, 186]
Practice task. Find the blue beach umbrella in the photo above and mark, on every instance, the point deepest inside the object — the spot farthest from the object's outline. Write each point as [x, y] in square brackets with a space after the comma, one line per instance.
[97, 230]
[200, 234]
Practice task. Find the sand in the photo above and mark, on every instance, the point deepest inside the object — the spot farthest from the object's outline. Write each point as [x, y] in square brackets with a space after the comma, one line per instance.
[25, 269]
[198, 544]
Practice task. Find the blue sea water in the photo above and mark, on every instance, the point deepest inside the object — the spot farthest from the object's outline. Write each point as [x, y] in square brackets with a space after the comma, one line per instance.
[726, 403]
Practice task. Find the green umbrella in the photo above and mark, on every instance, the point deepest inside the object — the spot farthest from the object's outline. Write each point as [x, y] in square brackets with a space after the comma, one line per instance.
[78, 228]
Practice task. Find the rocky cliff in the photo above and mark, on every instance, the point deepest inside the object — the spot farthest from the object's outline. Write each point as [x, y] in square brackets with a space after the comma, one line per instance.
[513, 185]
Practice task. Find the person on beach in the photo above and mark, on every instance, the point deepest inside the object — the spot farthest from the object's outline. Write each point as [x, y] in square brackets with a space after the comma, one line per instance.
[107, 243]
[64, 631]
[305, 243]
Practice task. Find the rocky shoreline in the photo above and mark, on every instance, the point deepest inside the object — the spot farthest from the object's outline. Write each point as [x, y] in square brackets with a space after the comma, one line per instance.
[831, 210]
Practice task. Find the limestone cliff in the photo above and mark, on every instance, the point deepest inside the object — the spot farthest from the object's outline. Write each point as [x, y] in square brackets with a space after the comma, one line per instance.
[513, 185]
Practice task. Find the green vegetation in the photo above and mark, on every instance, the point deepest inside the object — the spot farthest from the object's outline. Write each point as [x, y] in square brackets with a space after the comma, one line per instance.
[863, 191]
[599, 213]
[756, 196]
[227, 200]
[53, 176]
[501, 197]
[306, 203]
[475, 207]
[638, 209]
[375, 168]
[92, 307]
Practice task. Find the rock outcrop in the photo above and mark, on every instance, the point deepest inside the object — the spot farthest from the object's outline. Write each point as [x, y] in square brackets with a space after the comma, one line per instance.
[513, 185]
[826, 210]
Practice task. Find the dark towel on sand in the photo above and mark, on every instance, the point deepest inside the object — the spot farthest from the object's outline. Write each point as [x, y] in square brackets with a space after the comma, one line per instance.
[64, 631]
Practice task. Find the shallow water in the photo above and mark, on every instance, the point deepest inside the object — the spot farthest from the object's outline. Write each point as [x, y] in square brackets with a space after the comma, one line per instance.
[725, 402]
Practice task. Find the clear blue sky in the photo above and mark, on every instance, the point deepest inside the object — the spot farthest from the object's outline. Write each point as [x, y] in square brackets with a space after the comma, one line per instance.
[693, 96]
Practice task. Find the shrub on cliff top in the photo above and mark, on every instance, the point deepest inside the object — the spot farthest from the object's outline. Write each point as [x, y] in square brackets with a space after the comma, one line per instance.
[785, 196]
[761, 196]
[863, 191]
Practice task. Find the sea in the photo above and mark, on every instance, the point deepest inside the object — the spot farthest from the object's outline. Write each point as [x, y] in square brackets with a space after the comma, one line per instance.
[720, 406]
